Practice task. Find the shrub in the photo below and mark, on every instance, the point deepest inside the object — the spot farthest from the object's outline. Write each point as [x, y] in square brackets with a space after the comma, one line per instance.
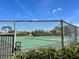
[71, 52]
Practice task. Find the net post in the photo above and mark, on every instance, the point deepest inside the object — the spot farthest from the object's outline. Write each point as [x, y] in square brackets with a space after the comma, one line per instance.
[62, 35]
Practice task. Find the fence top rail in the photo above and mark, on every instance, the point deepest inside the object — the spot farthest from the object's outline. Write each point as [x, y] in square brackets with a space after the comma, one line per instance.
[6, 34]
[70, 24]
[38, 21]
[30, 20]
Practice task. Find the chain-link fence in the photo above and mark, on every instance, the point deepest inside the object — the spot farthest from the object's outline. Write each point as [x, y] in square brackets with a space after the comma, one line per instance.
[70, 33]
[35, 34]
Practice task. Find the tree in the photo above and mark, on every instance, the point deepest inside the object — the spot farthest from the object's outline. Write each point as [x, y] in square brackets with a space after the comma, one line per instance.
[6, 28]
[11, 31]
[53, 32]
[40, 33]
[69, 30]
[22, 33]
[57, 28]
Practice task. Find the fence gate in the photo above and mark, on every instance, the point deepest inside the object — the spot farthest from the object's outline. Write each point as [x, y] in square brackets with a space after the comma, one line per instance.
[6, 45]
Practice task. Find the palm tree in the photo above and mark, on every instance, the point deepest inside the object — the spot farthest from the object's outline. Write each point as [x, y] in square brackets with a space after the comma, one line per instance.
[6, 28]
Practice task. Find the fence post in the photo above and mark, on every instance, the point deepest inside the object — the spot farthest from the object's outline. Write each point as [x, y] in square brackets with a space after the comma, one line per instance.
[62, 35]
[75, 34]
[13, 45]
[14, 33]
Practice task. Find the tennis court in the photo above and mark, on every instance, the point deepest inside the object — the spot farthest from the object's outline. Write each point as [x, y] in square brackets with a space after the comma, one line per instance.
[42, 41]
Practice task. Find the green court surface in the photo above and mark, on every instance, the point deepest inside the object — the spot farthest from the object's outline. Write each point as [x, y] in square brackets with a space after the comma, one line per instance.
[31, 42]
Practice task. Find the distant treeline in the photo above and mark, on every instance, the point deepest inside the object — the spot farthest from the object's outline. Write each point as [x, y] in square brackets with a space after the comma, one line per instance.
[36, 33]
[54, 32]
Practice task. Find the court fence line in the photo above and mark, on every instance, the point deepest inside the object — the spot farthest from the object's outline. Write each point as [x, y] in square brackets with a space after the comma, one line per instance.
[62, 22]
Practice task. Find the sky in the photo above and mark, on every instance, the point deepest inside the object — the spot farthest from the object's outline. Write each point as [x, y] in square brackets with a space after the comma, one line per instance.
[67, 10]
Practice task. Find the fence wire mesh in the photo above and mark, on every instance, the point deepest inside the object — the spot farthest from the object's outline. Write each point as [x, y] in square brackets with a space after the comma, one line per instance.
[38, 34]
[70, 33]
[35, 34]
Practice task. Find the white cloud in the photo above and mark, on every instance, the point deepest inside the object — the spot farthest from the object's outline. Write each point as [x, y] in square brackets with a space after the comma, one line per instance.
[76, 25]
[59, 9]
[34, 19]
[55, 10]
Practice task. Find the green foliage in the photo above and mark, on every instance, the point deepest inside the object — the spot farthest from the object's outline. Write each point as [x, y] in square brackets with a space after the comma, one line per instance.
[40, 33]
[21, 33]
[71, 52]
[58, 28]
[11, 31]
[6, 28]
[53, 32]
